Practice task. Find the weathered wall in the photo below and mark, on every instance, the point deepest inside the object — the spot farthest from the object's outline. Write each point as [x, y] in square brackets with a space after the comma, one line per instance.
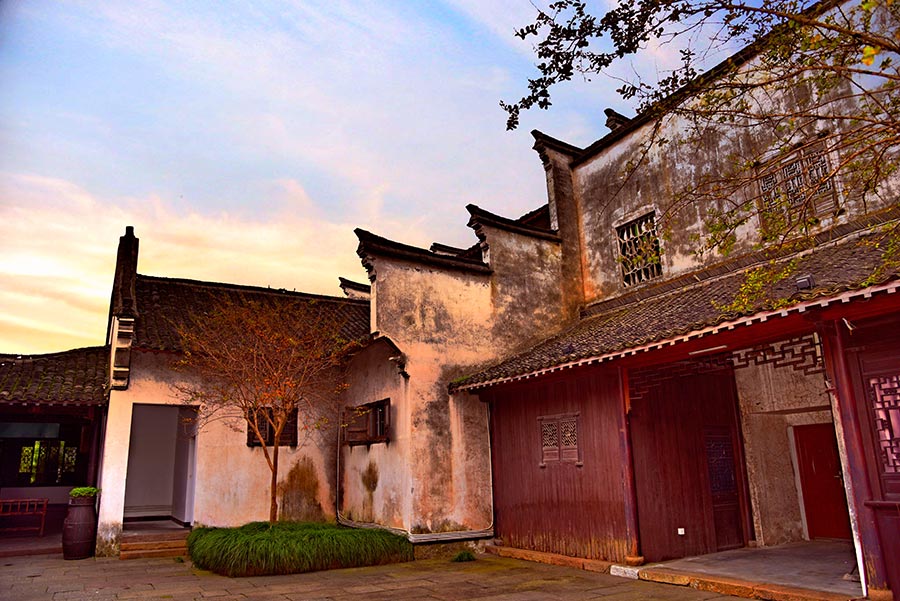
[771, 401]
[447, 323]
[231, 479]
[374, 478]
[608, 192]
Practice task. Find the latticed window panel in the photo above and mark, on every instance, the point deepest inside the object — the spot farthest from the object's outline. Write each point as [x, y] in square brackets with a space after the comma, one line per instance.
[568, 433]
[549, 435]
[26, 460]
[49, 461]
[884, 397]
[69, 459]
[720, 463]
[639, 250]
[801, 179]
[559, 439]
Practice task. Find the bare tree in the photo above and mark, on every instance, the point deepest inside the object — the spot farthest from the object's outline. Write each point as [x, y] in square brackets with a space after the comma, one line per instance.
[272, 365]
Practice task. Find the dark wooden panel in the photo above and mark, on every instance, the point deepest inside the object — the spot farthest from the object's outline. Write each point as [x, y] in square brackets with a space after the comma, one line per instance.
[573, 507]
[669, 429]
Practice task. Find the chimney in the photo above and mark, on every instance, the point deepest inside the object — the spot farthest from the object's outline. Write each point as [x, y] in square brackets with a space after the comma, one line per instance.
[123, 301]
[615, 120]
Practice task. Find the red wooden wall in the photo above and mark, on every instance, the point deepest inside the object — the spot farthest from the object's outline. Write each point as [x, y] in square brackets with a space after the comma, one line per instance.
[560, 508]
[671, 426]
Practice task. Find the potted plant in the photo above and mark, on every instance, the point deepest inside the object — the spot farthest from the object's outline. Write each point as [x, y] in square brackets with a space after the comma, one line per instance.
[80, 527]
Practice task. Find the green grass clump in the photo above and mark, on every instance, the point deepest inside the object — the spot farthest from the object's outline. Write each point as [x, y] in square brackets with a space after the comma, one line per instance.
[262, 549]
[464, 556]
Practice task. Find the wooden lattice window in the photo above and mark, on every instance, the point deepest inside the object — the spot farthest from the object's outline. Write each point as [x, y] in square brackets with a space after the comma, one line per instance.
[288, 436]
[884, 399]
[367, 424]
[560, 439]
[639, 251]
[796, 187]
[46, 462]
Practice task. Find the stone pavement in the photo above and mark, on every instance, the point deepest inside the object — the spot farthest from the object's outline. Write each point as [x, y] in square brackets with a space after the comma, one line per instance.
[489, 578]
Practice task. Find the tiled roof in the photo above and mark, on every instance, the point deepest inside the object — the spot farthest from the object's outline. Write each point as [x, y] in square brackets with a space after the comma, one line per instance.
[688, 304]
[521, 226]
[371, 245]
[164, 305]
[76, 377]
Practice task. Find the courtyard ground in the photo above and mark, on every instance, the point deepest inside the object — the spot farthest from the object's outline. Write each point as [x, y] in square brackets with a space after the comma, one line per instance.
[51, 578]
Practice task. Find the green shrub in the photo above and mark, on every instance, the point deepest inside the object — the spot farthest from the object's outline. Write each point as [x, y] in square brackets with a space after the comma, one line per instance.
[84, 491]
[463, 556]
[262, 549]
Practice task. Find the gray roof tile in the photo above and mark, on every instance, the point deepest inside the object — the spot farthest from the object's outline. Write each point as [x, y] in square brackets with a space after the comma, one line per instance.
[76, 377]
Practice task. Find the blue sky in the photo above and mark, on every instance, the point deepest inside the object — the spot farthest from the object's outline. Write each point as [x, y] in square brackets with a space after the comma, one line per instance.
[245, 141]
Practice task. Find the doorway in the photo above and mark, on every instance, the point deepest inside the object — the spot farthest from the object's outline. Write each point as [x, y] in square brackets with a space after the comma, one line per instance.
[161, 464]
[821, 482]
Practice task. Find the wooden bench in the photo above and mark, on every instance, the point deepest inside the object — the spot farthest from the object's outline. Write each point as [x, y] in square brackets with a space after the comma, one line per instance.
[24, 507]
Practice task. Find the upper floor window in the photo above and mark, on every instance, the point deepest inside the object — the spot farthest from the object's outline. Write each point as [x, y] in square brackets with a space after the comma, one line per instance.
[639, 251]
[796, 188]
[368, 423]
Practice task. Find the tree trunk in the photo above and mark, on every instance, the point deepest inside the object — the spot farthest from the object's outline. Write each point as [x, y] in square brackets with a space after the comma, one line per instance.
[273, 489]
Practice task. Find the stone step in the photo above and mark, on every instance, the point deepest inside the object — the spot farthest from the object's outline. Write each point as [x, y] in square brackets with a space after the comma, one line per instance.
[150, 545]
[166, 535]
[148, 553]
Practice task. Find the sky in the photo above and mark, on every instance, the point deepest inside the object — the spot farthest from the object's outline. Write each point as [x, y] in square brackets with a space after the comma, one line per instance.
[246, 140]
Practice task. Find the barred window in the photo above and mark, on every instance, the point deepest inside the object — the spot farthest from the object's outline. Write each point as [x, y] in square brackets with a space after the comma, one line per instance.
[288, 436]
[639, 251]
[796, 187]
[559, 439]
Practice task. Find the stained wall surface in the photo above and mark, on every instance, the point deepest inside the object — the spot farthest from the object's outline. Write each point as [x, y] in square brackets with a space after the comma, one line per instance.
[446, 323]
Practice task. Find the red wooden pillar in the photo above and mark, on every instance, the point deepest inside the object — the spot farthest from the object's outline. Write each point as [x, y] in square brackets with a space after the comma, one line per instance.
[839, 373]
[634, 557]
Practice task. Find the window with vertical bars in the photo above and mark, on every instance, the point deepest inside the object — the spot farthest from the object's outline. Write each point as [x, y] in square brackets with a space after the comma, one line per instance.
[639, 251]
[288, 436]
[559, 439]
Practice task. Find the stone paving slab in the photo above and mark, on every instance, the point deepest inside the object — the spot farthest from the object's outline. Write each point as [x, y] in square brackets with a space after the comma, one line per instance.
[489, 578]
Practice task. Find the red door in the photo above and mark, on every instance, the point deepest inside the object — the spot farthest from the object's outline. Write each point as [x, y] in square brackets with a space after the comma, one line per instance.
[821, 482]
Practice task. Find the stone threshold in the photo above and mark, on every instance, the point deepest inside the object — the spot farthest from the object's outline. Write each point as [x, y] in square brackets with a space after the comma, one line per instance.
[591, 565]
[723, 585]
[735, 587]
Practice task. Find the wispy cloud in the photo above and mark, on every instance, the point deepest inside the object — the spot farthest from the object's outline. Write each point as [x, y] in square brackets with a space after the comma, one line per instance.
[246, 140]
[57, 257]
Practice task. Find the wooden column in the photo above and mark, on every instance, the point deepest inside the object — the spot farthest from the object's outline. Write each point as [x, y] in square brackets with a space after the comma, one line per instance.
[834, 340]
[634, 557]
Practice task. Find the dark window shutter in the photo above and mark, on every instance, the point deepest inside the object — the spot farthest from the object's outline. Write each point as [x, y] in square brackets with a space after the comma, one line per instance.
[357, 428]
